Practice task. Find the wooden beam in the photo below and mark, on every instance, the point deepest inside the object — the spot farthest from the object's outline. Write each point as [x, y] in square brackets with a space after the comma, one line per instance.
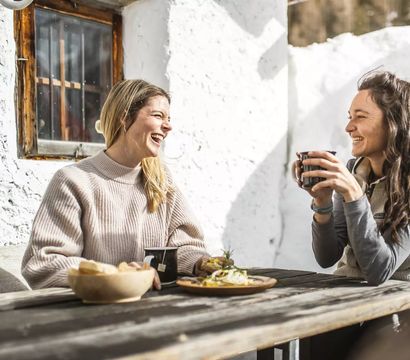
[117, 49]
[65, 129]
[83, 11]
[24, 36]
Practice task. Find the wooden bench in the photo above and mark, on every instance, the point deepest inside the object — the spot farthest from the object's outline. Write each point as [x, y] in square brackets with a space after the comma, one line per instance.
[10, 274]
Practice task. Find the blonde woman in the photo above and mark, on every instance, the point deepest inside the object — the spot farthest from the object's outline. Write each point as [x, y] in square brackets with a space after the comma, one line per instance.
[111, 206]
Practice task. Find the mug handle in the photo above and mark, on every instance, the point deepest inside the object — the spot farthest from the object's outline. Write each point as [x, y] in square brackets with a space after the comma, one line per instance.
[148, 259]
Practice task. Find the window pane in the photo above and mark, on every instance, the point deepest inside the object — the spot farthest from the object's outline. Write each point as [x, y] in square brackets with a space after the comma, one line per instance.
[73, 60]
[93, 105]
[47, 44]
[48, 112]
[42, 45]
[97, 72]
[73, 46]
[73, 115]
[43, 111]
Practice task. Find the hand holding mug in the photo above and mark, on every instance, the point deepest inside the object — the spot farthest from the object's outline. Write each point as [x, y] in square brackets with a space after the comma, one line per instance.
[334, 176]
[302, 174]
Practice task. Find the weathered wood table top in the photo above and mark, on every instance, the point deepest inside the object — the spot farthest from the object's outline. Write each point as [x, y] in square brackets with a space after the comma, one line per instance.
[171, 324]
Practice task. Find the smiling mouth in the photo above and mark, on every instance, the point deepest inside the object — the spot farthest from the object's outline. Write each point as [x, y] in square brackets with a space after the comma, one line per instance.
[357, 139]
[157, 138]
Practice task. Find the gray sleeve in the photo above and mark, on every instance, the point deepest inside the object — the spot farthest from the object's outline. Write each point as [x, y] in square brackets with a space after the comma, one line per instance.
[376, 255]
[329, 240]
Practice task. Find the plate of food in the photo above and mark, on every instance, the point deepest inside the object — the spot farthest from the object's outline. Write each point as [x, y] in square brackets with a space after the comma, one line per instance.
[229, 280]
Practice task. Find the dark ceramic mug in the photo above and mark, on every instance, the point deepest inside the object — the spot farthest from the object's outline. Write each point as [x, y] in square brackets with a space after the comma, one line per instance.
[164, 260]
[308, 182]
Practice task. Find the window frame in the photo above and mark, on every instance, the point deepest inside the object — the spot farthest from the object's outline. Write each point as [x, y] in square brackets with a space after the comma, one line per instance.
[29, 146]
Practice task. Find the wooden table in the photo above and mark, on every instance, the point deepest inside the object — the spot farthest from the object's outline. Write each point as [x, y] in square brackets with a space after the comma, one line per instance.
[171, 324]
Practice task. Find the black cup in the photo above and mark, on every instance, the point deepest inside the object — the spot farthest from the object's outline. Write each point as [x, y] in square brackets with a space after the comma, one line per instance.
[308, 182]
[164, 259]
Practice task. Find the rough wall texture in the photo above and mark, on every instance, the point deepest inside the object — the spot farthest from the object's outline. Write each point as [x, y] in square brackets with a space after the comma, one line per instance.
[146, 40]
[322, 83]
[225, 64]
[227, 73]
[22, 182]
[228, 77]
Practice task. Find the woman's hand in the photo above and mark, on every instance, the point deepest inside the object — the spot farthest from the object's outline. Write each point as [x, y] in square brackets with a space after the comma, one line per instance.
[207, 265]
[323, 197]
[337, 178]
[157, 281]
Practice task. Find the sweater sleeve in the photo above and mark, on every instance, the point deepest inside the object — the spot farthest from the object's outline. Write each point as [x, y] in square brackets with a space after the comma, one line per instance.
[185, 233]
[375, 253]
[329, 240]
[56, 240]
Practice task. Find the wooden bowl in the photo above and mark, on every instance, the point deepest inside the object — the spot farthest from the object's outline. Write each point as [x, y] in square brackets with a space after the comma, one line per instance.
[124, 286]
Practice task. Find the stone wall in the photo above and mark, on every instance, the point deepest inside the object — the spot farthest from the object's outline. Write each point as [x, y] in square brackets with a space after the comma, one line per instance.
[22, 182]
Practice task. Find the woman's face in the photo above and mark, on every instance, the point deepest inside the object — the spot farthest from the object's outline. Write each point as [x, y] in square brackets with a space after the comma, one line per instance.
[144, 137]
[366, 127]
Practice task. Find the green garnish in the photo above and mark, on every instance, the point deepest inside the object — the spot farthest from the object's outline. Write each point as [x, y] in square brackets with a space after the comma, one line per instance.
[227, 253]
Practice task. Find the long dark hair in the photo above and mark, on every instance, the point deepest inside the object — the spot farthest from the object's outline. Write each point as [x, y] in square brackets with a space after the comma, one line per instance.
[392, 96]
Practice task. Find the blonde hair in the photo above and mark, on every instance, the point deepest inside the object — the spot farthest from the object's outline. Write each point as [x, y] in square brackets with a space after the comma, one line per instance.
[120, 110]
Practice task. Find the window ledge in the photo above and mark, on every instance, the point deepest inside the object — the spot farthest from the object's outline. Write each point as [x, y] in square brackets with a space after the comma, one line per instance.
[68, 148]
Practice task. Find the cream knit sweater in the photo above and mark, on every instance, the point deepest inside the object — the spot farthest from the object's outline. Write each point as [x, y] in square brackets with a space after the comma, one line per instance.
[97, 209]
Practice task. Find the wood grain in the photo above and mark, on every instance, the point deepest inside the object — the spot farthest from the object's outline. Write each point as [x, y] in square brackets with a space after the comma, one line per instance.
[25, 99]
[21, 299]
[175, 325]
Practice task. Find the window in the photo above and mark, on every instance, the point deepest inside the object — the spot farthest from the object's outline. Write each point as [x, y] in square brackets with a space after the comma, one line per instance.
[68, 58]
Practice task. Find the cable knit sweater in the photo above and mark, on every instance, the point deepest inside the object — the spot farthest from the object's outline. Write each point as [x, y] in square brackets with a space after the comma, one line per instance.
[97, 209]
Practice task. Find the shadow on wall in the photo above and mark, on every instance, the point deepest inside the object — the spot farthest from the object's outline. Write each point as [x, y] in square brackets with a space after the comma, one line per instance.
[307, 133]
[253, 16]
[253, 224]
[270, 63]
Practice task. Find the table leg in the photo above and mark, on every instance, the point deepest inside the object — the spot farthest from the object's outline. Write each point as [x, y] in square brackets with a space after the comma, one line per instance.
[266, 354]
[290, 351]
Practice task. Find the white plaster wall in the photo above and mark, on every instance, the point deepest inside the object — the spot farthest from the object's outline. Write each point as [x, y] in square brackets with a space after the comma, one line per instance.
[22, 182]
[225, 64]
[322, 83]
[227, 73]
[228, 78]
[145, 39]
